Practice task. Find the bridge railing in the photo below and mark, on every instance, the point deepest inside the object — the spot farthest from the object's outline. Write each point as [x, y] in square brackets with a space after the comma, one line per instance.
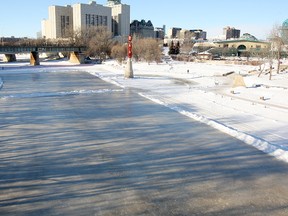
[28, 49]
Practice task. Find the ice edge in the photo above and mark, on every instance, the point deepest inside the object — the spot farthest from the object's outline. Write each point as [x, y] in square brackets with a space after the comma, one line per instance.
[258, 143]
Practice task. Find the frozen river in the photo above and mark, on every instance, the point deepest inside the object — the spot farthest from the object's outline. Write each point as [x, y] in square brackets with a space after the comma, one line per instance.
[71, 144]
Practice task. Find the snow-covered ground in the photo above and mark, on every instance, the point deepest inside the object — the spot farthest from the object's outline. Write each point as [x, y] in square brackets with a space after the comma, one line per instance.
[256, 114]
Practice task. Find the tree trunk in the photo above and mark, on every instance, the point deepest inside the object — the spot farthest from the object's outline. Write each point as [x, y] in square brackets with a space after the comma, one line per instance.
[271, 68]
[279, 61]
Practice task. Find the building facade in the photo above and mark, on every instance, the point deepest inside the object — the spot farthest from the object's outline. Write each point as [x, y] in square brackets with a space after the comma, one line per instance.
[60, 22]
[79, 17]
[173, 32]
[91, 15]
[160, 32]
[246, 43]
[230, 33]
[194, 34]
[120, 19]
[142, 29]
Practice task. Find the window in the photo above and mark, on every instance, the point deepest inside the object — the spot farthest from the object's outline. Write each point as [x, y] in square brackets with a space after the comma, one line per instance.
[101, 20]
[63, 25]
[89, 20]
[105, 21]
[67, 21]
[97, 20]
[86, 19]
[93, 20]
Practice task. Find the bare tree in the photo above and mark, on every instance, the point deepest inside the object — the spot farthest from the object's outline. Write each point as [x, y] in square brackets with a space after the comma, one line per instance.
[75, 37]
[276, 50]
[260, 55]
[147, 49]
[100, 42]
[119, 52]
[137, 48]
[152, 50]
[277, 45]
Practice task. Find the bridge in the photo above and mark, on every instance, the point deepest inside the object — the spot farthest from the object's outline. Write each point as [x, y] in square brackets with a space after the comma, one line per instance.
[76, 52]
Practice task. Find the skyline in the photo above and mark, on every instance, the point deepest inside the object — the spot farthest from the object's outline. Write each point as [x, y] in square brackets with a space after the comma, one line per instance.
[252, 17]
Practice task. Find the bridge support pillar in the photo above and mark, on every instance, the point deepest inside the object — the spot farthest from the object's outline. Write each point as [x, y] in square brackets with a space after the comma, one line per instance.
[34, 58]
[9, 58]
[77, 57]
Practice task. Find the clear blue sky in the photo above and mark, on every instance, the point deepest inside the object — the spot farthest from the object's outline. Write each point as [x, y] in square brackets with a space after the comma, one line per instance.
[22, 18]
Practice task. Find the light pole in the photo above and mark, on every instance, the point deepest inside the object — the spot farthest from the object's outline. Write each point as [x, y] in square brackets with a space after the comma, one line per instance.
[129, 69]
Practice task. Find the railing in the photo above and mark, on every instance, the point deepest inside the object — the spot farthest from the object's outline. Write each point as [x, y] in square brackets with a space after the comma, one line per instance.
[28, 49]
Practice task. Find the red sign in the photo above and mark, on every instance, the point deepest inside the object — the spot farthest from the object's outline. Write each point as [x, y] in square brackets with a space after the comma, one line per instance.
[129, 46]
[129, 38]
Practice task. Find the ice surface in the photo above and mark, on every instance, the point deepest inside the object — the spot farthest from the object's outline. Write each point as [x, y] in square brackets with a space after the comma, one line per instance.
[256, 114]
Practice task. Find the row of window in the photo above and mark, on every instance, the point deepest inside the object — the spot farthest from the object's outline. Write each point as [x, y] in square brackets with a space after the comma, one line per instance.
[65, 23]
[90, 20]
[226, 46]
[95, 20]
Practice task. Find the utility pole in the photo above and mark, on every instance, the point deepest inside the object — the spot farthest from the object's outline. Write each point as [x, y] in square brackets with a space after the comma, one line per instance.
[129, 69]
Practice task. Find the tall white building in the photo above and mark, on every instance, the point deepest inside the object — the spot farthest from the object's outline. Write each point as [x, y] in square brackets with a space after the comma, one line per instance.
[91, 15]
[120, 19]
[60, 22]
[79, 17]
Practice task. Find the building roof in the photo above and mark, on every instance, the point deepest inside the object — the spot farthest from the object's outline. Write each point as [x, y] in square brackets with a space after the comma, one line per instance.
[244, 38]
[248, 37]
[142, 23]
[285, 24]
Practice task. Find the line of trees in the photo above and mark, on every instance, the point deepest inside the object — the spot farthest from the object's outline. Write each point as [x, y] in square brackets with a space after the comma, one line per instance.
[101, 44]
[144, 49]
[279, 40]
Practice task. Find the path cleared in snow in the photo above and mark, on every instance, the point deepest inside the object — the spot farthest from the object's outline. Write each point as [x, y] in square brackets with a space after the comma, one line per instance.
[200, 91]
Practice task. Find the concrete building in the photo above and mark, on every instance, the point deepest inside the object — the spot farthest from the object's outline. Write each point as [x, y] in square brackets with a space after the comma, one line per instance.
[142, 29]
[120, 18]
[230, 33]
[173, 32]
[79, 17]
[246, 43]
[194, 34]
[199, 34]
[60, 22]
[91, 15]
[160, 32]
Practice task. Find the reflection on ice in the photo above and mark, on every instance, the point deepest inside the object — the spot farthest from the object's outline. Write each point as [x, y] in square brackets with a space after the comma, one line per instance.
[1, 83]
[60, 94]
